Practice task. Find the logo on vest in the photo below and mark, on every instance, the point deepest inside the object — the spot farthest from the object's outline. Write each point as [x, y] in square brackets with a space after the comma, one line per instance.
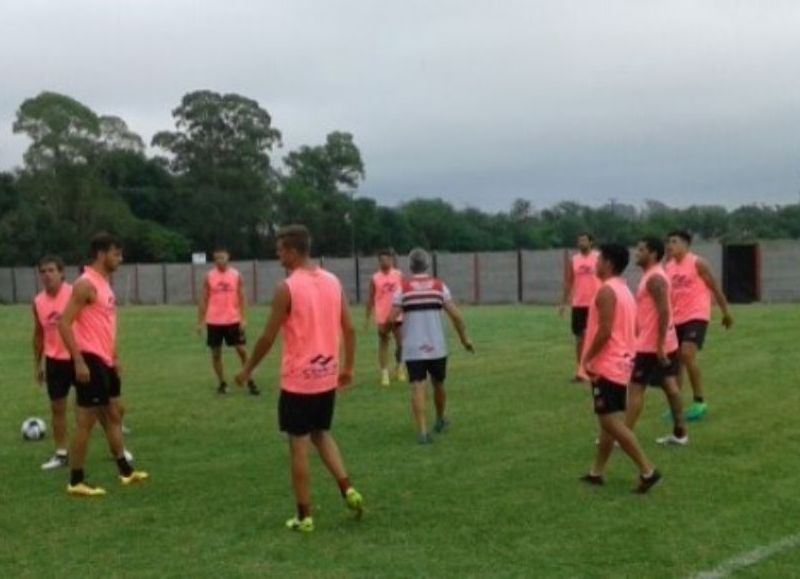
[321, 367]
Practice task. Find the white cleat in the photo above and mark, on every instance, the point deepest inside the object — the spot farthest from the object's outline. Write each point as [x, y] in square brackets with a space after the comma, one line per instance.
[55, 461]
[673, 440]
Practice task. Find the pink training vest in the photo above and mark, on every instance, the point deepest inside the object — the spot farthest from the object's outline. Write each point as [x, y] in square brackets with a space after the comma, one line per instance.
[585, 282]
[223, 297]
[386, 286]
[615, 360]
[48, 311]
[647, 316]
[95, 328]
[311, 333]
[691, 298]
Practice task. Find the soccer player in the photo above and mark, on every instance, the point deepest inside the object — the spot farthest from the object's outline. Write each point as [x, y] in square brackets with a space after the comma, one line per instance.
[421, 301]
[608, 362]
[656, 362]
[384, 284]
[222, 310]
[580, 285]
[310, 309]
[693, 284]
[52, 363]
[88, 328]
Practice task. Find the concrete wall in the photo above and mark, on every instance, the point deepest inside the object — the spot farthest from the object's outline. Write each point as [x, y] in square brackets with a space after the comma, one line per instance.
[486, 278]
[780, 271]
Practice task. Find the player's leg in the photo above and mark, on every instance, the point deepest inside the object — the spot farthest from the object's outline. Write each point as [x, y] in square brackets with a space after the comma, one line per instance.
[614, 426]
[219, 369]
[438, 371]
[679, 434]
[399, 369]
[113, 412]
[59, 378]
[384, 335]
[418, 394]
[689, 361]
[332, 458]
[301, 482]
[579, 318]
[634, 405]
[85, 420]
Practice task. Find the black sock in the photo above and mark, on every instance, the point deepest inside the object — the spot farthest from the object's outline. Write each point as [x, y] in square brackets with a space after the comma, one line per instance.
[124, 466]
[698, 399]
[76, 476]
[679, 432]
[303, 511]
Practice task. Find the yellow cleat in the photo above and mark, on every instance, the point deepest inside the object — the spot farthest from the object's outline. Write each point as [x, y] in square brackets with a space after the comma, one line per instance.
[355, 502]
[400, 374]
[136, 476]
[83, 490]
[301, 526]
[385, 380]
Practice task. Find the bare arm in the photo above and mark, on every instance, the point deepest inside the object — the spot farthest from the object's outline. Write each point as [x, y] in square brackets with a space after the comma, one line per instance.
[569, 281]
[202, 305]
[657, 288]
[459, 325]
[370, 303]
[349, 336]
[82, 295]
[281, 306]
[242, 303]
[38, 347]
[606, 303]
[704, 271]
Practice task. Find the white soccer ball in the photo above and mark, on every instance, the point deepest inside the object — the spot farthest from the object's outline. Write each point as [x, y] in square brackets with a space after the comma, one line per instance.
[33, 429]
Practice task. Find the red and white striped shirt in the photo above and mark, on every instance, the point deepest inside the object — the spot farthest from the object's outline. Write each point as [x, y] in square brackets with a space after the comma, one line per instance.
[422, 299]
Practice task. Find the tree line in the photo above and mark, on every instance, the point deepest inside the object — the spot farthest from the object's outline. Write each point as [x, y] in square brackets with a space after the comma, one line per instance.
[214, 181]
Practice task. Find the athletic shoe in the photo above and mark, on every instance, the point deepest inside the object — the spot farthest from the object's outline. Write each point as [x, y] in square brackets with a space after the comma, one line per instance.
[85, 490]
[304, 526]
[673, 440]
[385, 380]
[697, 411]
[645, 484]
[355, 502]
[400, 374]
[441, 425]
[136, 476]
[55, 461]
[223, 388]
[425, 438]
[253, 389]
[593, 479]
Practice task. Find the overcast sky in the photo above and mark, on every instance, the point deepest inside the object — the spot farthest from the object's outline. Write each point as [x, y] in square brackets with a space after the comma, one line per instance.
[478, 102]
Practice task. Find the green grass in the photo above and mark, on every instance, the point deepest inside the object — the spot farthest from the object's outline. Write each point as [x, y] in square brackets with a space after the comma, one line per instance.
[496, 496]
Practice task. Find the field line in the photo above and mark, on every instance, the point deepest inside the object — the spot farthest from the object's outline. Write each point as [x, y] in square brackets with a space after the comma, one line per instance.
[734, 564]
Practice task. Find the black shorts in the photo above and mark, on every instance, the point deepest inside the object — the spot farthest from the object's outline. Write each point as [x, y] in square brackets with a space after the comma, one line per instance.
[104, 383]
[648, 371]
[580, 316]
[419, 370]
[301, 414]
[692, 331]
[60, 376]
[609, 397]
[232, 334]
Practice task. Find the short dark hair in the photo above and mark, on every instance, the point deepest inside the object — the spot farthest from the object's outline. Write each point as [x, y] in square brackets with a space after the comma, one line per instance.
[655, 245]
[54, 259]
[220, 247]
[296, 237]
[683, 234]
[388, 251]
[586, 234]
[616, 254]
[103, 241]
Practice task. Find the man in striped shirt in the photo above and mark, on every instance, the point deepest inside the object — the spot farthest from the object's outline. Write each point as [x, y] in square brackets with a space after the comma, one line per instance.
[420, 301]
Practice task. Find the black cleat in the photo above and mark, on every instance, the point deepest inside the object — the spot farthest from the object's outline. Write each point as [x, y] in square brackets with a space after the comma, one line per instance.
[223, 388]
[645, 484]
[253, 389]
[593, 479]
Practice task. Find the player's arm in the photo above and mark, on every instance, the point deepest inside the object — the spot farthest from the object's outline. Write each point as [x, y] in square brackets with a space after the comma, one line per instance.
[82, 295]
[569, 282]
[371, 304]
[38, 348]
[349, 337]
[704, 271]
[458, 323]
[242, 303]
[281, 305]
[606, 302]
[202, 305]
[657, 288]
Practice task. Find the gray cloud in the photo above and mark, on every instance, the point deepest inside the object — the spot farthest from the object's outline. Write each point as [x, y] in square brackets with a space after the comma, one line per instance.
[475, 101]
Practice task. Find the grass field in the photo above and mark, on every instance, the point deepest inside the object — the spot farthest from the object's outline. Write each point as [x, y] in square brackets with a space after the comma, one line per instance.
[495, 497]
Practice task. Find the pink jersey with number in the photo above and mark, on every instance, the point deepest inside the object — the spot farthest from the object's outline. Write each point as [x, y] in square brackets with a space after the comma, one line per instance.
[95, 327]
[615, 360]
[311, 332]
[647, 316]
[48, 312]
[585, 282]
[223, 297]
[386, 286]
[691, 298]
